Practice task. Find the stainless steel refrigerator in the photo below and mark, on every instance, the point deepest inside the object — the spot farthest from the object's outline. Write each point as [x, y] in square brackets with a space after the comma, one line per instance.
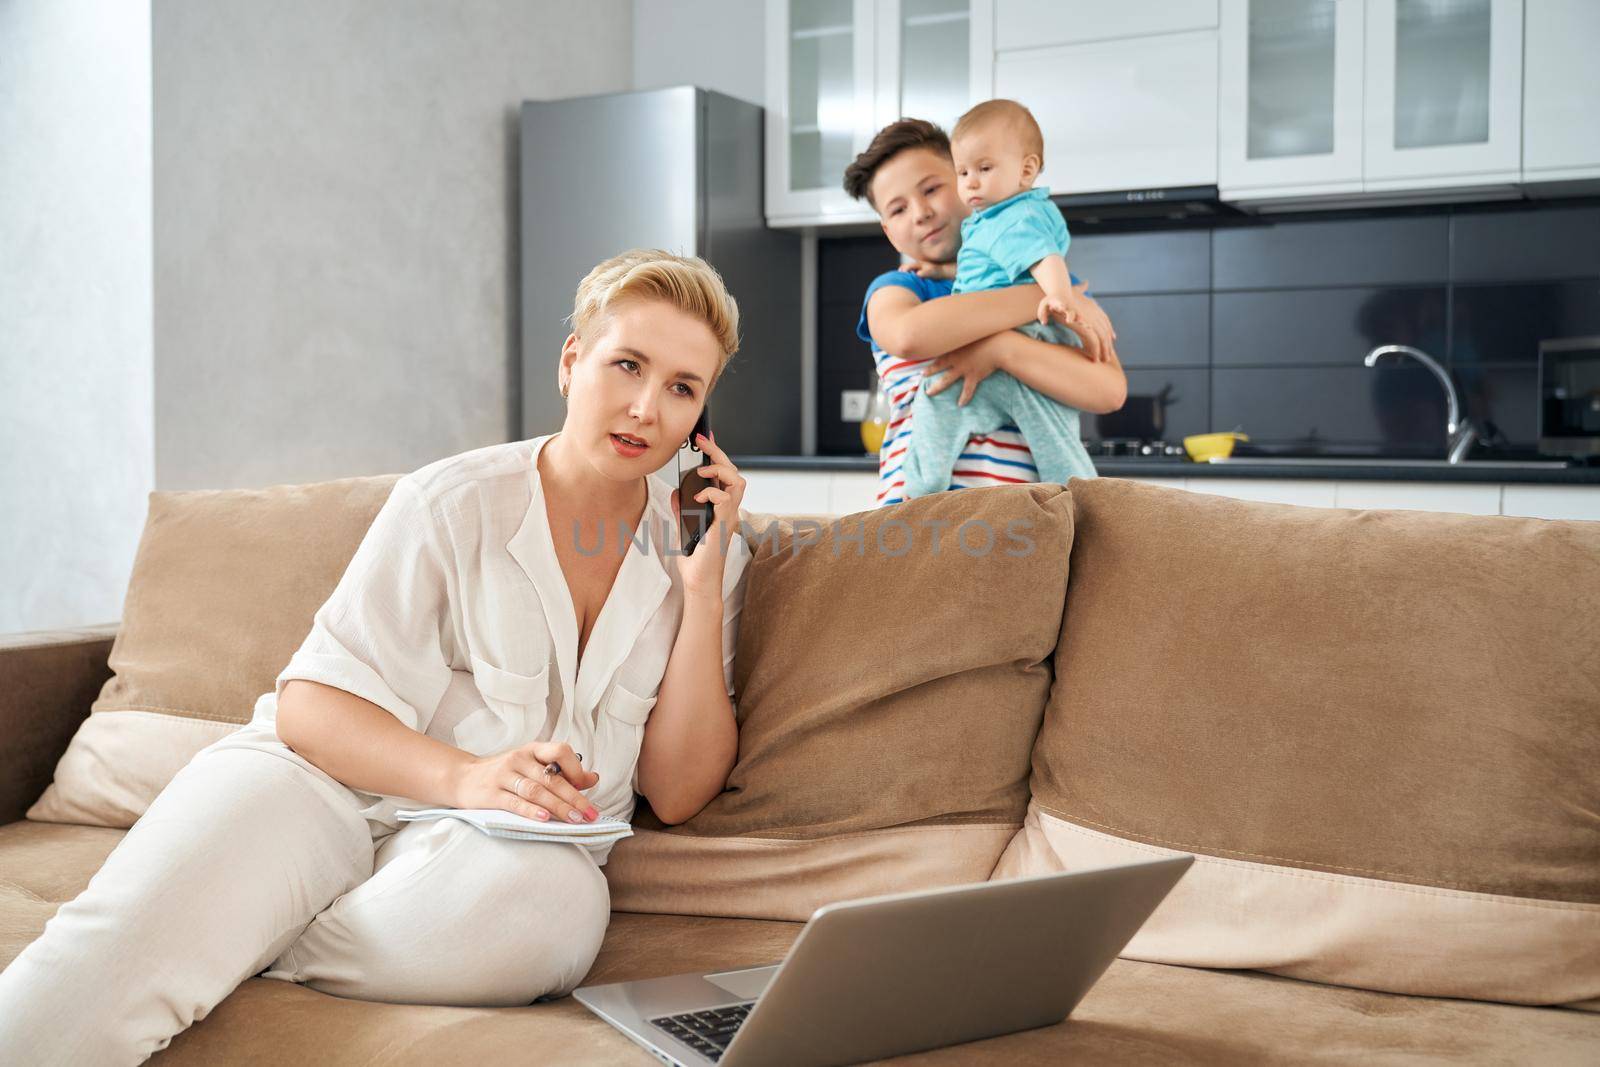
[679, 169]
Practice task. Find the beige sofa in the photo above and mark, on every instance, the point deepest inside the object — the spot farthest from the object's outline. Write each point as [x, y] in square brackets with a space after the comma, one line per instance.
[1377, 731]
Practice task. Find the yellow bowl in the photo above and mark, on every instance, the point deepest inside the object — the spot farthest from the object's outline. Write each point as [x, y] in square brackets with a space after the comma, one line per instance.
[1203, 446]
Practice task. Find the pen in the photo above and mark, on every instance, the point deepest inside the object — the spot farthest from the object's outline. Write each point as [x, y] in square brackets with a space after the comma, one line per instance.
[555, 768]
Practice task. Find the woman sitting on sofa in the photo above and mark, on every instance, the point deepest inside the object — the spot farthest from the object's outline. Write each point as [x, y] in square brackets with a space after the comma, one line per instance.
[483, 649]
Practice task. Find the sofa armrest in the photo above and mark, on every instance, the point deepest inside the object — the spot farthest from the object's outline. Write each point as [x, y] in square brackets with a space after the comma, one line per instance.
[48, 680]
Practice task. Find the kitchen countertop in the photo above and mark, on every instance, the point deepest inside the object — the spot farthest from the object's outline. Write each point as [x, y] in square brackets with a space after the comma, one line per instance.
[1168, 467]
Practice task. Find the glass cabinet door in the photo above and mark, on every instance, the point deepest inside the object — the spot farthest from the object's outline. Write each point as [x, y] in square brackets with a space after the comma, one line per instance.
[819, 102]
[1290, 95]
[924, 60]
[821, 91]
[1444, 89]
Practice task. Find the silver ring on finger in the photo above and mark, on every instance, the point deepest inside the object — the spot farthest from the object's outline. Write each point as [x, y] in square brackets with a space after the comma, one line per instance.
[516, 787]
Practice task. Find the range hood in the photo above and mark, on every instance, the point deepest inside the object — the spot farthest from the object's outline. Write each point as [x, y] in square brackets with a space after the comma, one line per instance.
[1173, 202]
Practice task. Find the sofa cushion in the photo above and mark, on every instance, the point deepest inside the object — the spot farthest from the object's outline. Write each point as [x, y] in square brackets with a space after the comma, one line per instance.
[891, 671]
[43, 865]
[1139, 1013]
[1377, 731]
[222, 592]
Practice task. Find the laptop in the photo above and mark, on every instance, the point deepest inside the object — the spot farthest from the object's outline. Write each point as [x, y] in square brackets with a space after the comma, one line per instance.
[886, 975]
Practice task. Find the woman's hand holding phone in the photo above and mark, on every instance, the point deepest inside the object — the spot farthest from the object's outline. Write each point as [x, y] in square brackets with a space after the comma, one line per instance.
[702, 568]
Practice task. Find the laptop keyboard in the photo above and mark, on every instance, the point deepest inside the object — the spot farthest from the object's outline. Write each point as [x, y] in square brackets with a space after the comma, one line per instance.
[707, 1032]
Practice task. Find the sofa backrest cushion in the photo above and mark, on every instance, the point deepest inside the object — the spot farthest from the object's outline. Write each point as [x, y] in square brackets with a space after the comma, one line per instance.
[1378, 731]
[223, 589]
[891, 671]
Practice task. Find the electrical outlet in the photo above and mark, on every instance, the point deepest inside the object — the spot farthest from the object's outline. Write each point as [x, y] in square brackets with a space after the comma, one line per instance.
[853, 404]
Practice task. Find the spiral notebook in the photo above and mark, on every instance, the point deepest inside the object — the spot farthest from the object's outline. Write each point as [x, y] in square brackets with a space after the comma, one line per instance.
[498, 823]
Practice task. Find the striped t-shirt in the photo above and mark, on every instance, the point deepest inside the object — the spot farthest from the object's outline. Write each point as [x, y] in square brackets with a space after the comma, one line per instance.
[999, 458]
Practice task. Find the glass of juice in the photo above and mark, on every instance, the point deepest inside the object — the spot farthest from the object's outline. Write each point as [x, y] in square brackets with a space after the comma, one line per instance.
[877, 420]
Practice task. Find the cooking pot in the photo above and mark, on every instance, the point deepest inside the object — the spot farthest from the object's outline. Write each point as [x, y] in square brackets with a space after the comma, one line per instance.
[1143, 417]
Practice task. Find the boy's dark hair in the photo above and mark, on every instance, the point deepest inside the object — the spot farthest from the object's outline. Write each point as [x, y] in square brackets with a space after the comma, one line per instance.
[889, 142]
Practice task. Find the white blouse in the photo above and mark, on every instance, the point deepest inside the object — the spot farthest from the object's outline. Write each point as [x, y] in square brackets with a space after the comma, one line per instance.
[454, 616]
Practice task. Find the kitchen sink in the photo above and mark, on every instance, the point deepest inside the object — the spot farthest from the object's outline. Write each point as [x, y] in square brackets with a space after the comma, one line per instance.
[1370, 461]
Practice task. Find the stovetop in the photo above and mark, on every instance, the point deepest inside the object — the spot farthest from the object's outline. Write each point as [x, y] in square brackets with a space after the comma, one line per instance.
[1155, 449]
[1132, 446]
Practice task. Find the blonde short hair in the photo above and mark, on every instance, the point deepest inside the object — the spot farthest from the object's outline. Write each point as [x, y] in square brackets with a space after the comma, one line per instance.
[688, 283]
[1018, 119]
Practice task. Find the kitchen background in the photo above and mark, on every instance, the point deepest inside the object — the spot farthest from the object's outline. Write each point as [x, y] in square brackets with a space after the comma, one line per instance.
[1262, 324]
[247, 243]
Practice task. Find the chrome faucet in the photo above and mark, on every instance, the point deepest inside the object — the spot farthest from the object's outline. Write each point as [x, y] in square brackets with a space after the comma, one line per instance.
[1460, 434]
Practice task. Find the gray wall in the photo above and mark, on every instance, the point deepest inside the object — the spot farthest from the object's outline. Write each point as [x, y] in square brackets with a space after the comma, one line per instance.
[325, 283]
[715, 44]
[75, 378]
[335, 225]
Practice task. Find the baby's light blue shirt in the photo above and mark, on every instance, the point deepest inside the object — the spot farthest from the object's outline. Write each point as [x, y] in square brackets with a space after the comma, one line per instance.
[1000, 242]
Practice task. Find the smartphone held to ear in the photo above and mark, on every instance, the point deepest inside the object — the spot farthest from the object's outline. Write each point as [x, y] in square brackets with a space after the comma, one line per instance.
[694, 516]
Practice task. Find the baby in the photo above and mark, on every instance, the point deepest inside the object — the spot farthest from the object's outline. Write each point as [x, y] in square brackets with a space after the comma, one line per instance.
[1013, 235]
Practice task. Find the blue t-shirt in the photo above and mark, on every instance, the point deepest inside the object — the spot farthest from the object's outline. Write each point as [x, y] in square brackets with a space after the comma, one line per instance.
[1000, 242]
[925, 288]
[999, 458]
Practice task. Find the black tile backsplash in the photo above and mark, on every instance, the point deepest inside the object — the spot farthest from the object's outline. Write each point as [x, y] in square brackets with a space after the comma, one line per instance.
[836, 331]
[1404, 250]
[1274, 327]
[1143, 262]
[847, 265]
[1505, 323]
[1397, 406]
[1262, 323]
[1526, 245]
[1166, 329]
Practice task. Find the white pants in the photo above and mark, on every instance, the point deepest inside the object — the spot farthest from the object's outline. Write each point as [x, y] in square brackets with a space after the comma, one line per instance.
[252, 859]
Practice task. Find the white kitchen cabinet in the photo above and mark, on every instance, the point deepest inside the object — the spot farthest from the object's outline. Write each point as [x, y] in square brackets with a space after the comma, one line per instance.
[853, 491]
[1040, 23]
[820, 104]
[840, 70]
[1472, 498]
[1303, 491]
[1560, 90]
[1334, 98]
[1552, 501]
[787, 492]
[924, 52]
[1290, 101]
[1290, 97]
[845, 492]
[1126, 114]
[803, 492]
[1444, 93]
[1465, 498]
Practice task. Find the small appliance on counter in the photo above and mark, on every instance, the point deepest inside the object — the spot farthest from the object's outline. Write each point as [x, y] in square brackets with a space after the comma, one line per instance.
[1569, 396]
